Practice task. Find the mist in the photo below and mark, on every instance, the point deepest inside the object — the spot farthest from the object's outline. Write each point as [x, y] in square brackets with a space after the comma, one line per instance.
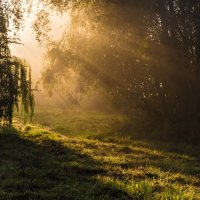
[120, 54]
[99, 99]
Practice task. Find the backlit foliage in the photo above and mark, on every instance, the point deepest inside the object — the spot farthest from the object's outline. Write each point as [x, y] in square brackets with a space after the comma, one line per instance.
[15, 73]
[145, 54]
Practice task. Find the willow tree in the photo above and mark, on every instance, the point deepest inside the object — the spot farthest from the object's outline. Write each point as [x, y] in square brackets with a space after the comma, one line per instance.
[145, 54]
[15, 73]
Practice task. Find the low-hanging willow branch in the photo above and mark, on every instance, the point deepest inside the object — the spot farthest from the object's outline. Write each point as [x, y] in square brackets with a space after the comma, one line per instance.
[15, 88]
[15, 74]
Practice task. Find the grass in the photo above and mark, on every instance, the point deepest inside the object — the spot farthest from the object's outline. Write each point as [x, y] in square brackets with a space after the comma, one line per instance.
[77, 122]
[39, 164]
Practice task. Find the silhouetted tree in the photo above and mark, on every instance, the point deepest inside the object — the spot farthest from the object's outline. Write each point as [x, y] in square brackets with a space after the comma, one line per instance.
[15, 73]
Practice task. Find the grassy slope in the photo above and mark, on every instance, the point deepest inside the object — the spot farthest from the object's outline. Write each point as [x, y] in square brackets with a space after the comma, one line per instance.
[38, 164]
[76, 122]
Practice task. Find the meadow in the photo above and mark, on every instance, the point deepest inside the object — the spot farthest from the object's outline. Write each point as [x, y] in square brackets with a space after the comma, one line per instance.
[79, 157]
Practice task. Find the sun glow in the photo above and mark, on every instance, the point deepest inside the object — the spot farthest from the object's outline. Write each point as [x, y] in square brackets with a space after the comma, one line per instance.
[29, 47]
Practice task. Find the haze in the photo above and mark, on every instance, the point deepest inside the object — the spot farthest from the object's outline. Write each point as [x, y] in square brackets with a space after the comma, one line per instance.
[30, 49]
[116, 111]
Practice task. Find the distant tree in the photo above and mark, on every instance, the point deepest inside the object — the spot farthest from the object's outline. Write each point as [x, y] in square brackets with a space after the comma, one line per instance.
[179, 37]
[145, 54]
[15, 73]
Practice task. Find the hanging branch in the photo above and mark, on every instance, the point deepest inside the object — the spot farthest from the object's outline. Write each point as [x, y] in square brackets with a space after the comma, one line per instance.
[15, 78]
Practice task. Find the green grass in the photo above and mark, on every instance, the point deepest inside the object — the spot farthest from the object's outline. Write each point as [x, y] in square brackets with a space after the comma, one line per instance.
[36, 163]
[77, 122]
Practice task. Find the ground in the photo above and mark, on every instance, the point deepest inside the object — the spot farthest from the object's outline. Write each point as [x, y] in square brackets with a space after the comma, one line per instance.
[38, 163]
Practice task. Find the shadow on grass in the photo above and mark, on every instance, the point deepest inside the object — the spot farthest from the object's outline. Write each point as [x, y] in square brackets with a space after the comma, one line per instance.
[49, 170]
[173, 157]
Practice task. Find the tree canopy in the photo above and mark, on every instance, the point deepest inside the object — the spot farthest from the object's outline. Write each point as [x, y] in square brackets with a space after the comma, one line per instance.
[145, 54]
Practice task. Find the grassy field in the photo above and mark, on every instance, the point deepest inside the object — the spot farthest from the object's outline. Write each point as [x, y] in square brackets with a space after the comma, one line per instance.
[36, 163]
[77, 122]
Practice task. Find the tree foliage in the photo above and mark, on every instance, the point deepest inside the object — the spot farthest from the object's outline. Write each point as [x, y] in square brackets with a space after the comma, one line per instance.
[15, 73]
[145, 54]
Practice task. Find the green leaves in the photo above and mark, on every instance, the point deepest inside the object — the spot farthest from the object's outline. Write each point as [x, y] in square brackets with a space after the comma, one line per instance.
[15, 76]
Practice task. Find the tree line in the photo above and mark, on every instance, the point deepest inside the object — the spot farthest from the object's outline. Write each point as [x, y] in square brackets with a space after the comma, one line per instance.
[144, 54]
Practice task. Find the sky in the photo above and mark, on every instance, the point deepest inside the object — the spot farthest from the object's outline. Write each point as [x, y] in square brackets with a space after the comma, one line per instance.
[30, 49]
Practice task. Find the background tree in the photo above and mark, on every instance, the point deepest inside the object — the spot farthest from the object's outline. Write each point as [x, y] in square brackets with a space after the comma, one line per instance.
[145, 54]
